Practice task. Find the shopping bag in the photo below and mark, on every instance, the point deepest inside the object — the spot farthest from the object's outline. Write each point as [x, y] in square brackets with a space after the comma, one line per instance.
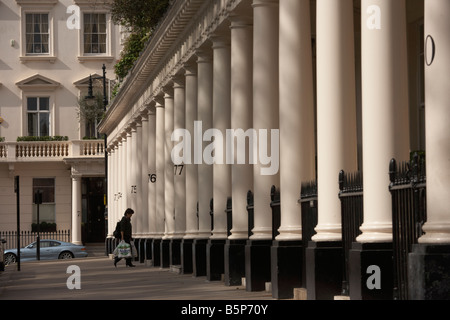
[123, 250]
[134, 252]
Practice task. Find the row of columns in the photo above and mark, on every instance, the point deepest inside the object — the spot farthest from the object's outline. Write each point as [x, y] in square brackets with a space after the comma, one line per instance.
[257, 72]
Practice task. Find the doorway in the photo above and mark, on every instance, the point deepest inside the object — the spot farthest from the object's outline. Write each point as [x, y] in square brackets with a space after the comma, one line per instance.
[93, 210]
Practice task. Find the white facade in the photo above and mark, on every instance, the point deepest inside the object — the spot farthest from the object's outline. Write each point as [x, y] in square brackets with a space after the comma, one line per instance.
[49, 50]
[344, 82]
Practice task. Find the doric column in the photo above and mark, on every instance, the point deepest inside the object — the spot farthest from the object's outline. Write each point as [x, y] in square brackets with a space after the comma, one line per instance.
[428, 268]
[384, 109]
[241, 118]
[76, 209]
[221, 122]
[297, 152]
[266, 123]
[180, 172]
[124, 175]
[336, 111]
[205, 171]
[151, 172]
[221, 169]
[111, 189]
[169, 191]
[265, 106]
[160, 165]
[437, 96]
[385, 136]
[296, 113]
[129, 165]
[144, 181]
[191, 169]
[137, 183]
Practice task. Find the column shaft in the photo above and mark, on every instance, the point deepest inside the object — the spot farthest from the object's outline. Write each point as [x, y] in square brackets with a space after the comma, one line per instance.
[191, 169]
[76, 209]
[205, 171]
[144, 181]
[241, 118]
[296, 112]
[437, 93]
[265, 107]
[180, 172]
[336, 110]
[160, 170]
[152, 177]
[384, 109]
[221, 122]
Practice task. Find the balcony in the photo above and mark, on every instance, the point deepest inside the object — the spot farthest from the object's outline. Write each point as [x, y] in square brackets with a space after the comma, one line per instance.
[43, 151]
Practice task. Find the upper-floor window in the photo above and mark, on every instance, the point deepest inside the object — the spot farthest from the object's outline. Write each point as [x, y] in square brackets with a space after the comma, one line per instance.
[94, 33]
[38, 113]
[37, 33]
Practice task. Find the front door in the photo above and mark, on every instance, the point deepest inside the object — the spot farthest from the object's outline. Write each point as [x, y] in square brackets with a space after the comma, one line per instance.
[93, 222]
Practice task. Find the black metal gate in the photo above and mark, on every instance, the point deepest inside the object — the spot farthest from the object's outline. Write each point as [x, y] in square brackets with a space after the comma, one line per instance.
[352, 208]
[308, 202]
[408, 192]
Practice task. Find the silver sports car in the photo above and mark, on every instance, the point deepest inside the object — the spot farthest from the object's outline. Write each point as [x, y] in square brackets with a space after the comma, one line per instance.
[49, 249]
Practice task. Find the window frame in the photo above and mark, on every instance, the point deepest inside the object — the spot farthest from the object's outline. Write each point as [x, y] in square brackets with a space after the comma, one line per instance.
[107, 55]
[35, 94]
[45, 205]
[38, 112]
[33, 34]
[37, 7]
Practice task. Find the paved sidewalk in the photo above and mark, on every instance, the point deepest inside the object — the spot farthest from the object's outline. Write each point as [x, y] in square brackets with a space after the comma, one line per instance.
[47, 280]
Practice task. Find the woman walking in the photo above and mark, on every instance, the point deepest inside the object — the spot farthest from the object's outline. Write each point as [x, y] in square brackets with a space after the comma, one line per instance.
[126, 232]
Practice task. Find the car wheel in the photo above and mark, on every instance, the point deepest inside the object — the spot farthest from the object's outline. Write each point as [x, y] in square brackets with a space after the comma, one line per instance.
[65, 255]
[10, 258]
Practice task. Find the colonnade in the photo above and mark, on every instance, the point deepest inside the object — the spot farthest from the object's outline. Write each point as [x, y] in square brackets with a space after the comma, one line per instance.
[257, 68]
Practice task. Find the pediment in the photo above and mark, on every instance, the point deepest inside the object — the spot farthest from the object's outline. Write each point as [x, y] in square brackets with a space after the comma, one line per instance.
[84, 82]
[38, 82]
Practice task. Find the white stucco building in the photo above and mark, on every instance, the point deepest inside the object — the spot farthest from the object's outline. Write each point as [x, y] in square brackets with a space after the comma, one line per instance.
[49, 48]
[348, 84]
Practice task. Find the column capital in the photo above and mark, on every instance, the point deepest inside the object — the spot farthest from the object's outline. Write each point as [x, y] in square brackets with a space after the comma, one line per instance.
[204, 56]
[190, 69]
[240, 21]
[178, 81]
[265, 3]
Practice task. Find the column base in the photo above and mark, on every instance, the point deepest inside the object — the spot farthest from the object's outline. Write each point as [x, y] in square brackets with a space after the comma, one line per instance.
[429, 272]
[175, 252]
[257, 264]
[199, 257]
[186, 256]
[286, 268]
[324, 269]
[371, 271]
[165, 253]
[148, 249]
[215, 259]
[234, 264]
[156, 252]
[141, 250]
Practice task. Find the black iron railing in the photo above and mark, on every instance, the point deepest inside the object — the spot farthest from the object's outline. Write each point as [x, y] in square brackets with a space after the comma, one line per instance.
[250, 210]
[408, 192]
[276, 214]
[308, 203]
[27, 237]
[229, 213]
[351, 197]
